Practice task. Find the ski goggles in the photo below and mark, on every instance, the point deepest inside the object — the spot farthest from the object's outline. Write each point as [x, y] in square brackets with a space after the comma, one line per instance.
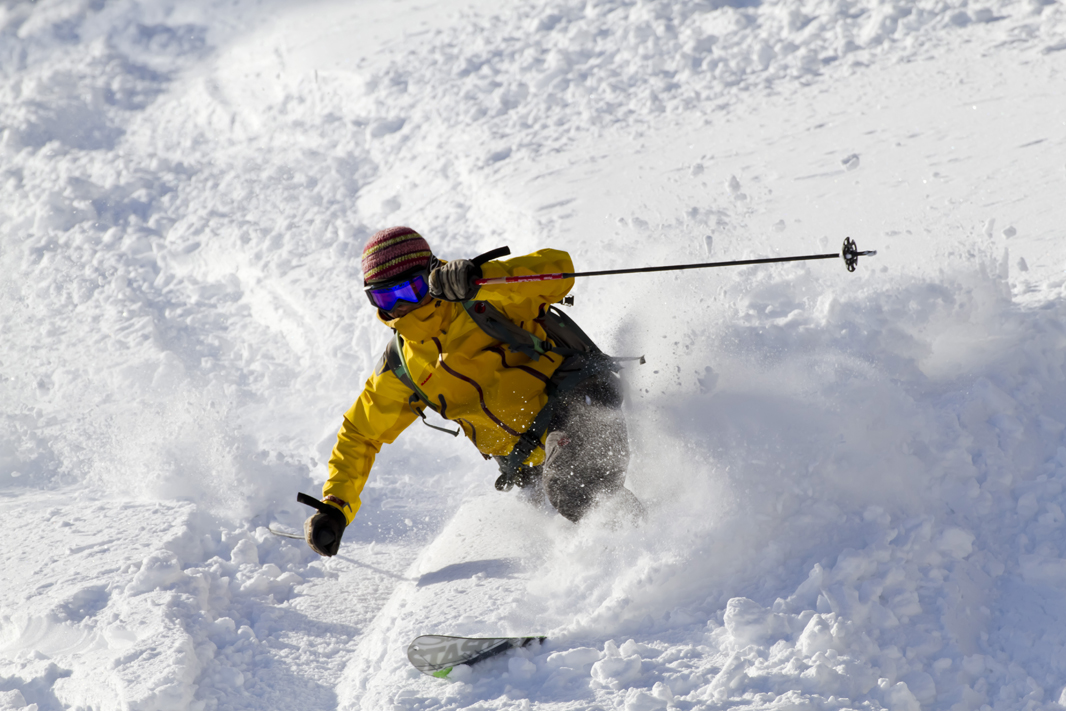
[411, 289]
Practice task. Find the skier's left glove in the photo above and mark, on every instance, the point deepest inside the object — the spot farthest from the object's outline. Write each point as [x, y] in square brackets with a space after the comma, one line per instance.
[454, 281]
[324, 530]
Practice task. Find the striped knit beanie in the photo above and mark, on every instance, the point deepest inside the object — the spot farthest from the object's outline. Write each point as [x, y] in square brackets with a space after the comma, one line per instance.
[393, 251]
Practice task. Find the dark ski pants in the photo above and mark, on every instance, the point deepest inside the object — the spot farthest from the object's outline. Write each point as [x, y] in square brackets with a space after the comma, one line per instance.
[587, 447]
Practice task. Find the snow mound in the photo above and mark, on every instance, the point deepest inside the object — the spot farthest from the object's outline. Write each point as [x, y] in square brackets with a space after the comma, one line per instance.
[854, 482]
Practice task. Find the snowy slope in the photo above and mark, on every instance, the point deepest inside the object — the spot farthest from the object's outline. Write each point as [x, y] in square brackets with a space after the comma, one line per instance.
[855, 481]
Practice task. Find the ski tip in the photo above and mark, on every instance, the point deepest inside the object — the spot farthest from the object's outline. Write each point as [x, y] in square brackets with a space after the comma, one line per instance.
[438, 655]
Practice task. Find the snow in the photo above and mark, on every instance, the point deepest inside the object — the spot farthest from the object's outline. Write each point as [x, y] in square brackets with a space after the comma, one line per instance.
[855, 482]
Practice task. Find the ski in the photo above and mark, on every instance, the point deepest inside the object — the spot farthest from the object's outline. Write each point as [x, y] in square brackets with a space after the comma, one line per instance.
[437, 655]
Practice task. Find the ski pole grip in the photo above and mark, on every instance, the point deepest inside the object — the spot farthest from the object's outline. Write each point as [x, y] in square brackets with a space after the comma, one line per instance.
[489, 256]
[312, 502]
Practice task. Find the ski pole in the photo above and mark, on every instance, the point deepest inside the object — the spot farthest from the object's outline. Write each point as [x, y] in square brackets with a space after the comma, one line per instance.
[850, 253]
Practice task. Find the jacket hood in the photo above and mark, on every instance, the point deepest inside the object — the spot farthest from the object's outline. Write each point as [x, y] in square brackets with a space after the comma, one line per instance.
[424, 322]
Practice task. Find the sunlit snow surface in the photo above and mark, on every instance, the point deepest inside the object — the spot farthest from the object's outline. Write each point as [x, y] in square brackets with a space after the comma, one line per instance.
[854, 481]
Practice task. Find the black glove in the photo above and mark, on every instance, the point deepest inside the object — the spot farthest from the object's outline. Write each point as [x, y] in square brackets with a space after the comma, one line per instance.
[324, 530]
[454, 281]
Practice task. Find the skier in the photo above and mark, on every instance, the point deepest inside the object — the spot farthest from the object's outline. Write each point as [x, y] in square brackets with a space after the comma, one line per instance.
[520, 380]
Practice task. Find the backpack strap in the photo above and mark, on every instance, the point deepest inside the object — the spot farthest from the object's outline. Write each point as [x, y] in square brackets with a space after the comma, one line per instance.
[397, 363]
[582, 360]
[575, 370]
[493, 322]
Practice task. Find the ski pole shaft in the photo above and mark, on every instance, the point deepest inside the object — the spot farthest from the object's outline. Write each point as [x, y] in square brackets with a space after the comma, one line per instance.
[850, 254]
[642, 270]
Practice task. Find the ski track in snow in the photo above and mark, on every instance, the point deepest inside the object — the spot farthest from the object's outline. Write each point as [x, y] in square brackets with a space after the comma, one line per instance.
[855, 482]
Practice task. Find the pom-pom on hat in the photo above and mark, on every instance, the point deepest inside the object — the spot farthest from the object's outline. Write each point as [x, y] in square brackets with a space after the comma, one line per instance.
[393, 251]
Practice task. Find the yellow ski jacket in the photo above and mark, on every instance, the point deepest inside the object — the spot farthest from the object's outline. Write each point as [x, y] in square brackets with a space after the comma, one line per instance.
[492, 393]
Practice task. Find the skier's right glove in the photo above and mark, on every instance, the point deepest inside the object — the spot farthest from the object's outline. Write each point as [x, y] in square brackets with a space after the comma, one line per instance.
[324, 530]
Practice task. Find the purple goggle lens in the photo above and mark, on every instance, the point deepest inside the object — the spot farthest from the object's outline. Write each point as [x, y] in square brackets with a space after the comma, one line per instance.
[386, 297]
